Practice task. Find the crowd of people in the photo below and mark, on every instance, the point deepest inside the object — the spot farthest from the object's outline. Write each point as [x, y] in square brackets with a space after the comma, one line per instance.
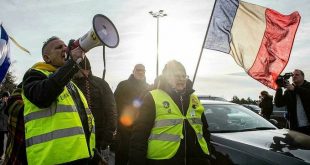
[62, 114]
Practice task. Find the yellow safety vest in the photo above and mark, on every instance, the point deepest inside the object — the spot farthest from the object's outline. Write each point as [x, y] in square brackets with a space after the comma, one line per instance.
[166, 133]
[55, 135]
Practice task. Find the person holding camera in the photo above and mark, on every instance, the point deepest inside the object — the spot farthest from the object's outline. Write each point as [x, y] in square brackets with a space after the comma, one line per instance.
[296, 97]
[265, 104]
[59, 127]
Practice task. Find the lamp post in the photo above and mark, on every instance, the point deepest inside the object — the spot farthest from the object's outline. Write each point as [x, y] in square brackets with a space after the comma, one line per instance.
[157, 15]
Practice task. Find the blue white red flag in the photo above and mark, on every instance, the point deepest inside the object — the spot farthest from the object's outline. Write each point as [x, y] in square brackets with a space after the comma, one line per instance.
[259, 39]
[5, 60]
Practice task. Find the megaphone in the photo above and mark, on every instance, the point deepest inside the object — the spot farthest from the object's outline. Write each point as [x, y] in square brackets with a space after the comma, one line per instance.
[103, 33]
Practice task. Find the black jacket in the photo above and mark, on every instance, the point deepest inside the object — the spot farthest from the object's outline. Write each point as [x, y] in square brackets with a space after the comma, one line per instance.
[189, 146]
[103, 107]
[3, 117]
[289, 99]
[129, 90]
[126, 92]
[43, 91]
[266, 106]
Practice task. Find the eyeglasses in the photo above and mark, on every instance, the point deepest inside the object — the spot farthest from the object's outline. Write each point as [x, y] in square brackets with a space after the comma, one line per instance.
[140, 70]
[176, 76]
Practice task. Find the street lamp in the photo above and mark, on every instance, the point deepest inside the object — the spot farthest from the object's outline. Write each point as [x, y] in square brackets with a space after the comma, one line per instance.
[157, 15]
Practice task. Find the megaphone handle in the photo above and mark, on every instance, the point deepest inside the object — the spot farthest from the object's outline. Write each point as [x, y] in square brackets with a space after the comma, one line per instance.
[69, 48]
[104, 67]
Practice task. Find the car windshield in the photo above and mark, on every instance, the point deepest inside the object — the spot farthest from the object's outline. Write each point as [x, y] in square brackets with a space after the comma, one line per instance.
[233, 118]
[255, 107]
[211, 98]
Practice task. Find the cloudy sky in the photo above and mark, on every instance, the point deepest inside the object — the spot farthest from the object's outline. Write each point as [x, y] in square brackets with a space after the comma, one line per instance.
[181, 36]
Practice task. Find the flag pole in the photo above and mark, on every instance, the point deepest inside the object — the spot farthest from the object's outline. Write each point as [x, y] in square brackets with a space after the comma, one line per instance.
[16, 43]
[104, 63]
[203, 43]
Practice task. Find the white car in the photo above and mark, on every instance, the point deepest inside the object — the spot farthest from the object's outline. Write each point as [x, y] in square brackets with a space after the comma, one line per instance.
[244, 137]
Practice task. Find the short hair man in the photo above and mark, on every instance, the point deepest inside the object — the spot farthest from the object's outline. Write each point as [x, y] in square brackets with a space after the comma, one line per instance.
[296, 97]
[57, 120]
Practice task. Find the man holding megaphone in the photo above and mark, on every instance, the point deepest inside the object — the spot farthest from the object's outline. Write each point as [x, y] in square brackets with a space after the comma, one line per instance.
[59, 127]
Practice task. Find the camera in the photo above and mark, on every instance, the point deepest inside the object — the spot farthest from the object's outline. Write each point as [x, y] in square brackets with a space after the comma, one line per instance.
[282, 80]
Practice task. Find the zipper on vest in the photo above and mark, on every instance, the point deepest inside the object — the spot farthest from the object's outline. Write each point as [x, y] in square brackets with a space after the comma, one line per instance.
[181, 99]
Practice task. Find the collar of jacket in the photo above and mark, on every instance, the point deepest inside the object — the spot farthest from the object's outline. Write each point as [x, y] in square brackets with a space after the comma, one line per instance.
[44, 66]
[305, 83]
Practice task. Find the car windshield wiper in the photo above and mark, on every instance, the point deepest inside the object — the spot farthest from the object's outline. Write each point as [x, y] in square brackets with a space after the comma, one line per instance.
[225, 131]
[243, 130]
[258, 128]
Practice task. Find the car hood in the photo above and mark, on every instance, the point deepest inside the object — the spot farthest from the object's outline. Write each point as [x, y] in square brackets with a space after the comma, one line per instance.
[282, 141]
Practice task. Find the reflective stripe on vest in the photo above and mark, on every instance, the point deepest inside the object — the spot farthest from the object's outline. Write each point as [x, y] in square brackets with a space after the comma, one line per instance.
[168, 122]
[195, 121]
[50, 111]
[55, 135]
[165, 137]
[166, 133]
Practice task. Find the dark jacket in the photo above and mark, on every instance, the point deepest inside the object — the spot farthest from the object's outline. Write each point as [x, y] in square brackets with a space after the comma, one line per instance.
[129, 90]
[266, 106]
[3, 117]
[15, 152]
[289, 99]
[126, 92]
[43, 91]
[189, 146]
[103, 107]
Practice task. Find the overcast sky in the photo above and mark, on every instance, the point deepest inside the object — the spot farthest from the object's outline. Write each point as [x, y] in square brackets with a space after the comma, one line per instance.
[181, 36]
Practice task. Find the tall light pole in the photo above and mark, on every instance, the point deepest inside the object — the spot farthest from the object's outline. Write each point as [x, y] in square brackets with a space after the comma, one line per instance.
[157, 15]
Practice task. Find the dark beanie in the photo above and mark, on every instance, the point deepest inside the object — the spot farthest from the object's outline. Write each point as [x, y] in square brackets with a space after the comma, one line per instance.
[85, 64]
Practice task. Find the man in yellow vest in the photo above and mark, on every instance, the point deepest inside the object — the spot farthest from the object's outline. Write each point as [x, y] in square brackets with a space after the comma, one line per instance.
[171, 128]
[59, 127]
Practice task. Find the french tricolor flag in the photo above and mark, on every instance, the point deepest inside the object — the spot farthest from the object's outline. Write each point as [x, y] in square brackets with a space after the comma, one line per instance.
[5, 60]
[259, 39]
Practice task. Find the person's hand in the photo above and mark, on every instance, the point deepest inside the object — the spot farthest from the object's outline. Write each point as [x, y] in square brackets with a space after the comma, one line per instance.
[289, 87]
[98, 158]
[77, 54]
